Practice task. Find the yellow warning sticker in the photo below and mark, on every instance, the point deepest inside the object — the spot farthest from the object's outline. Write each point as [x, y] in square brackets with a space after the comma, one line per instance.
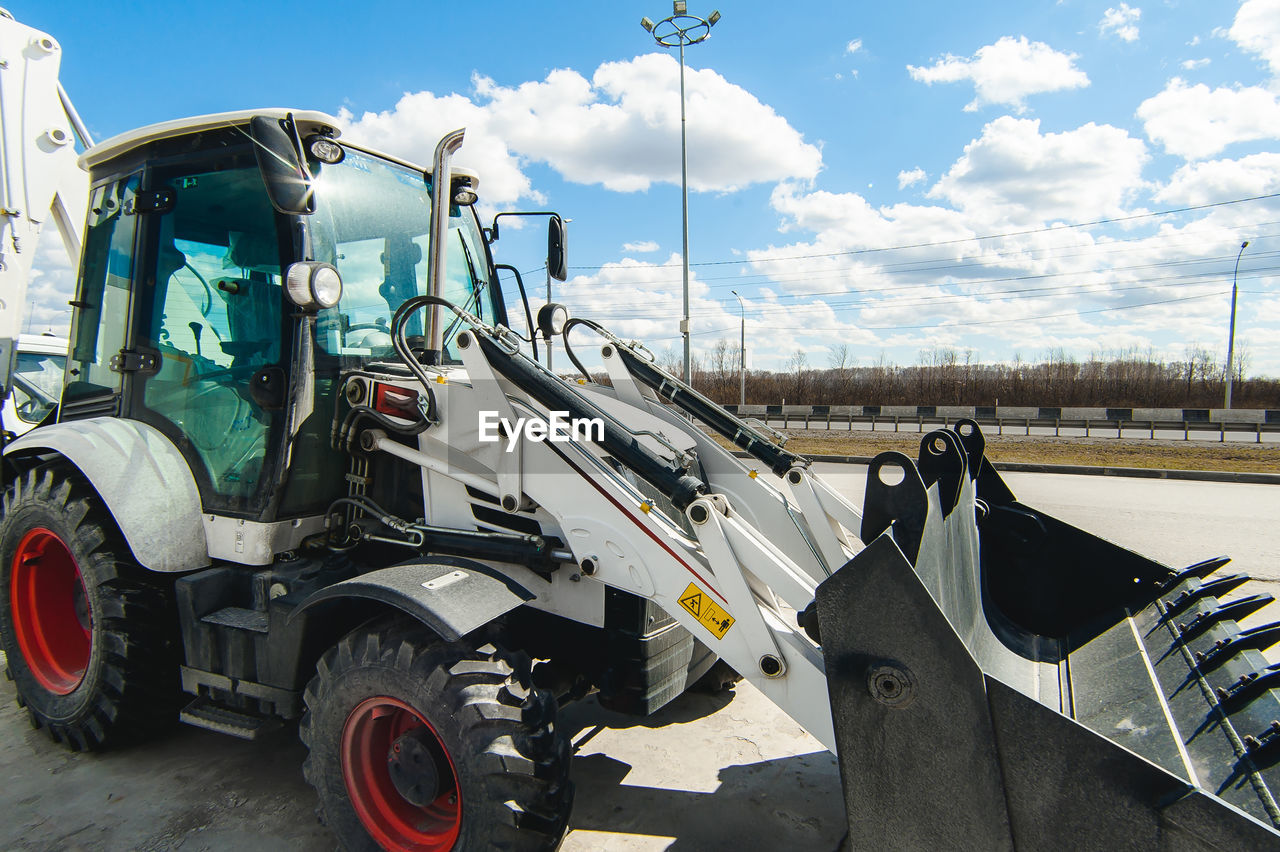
[699, 604]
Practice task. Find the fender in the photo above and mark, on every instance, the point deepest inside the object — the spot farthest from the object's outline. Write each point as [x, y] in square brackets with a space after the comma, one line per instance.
[452, 596]
[142, 478]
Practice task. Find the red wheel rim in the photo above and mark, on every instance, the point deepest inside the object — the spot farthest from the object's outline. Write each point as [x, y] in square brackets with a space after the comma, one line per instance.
[51, 618]
[367, 737]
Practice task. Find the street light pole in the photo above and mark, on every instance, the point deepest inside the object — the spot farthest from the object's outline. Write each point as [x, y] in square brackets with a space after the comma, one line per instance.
[742, 356]
[677, 31]
[1231, 335]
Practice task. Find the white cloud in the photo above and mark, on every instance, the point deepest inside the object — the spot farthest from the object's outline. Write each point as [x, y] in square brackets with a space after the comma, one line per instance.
[417, 122]
[1014, 173]
[853, 46]
[1121, 22]
[1257, 30]
[1028, 292]
[1195, 122]
[1222, 180]
[640, 247]
[620, 129]
[906, 179]
[1007, 72]
[52, 284]
[1193, 64]
[643, 300]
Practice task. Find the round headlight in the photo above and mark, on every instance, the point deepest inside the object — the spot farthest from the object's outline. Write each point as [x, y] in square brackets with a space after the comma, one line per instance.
[326, 285]
[313, 286]
[325, 149]
[297, 285]
[552, 318]
[464, 192]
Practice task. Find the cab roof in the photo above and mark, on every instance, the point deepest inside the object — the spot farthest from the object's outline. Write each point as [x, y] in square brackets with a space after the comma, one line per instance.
[308, 121]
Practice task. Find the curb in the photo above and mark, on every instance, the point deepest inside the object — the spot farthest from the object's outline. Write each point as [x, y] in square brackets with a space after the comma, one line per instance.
[1242, 477]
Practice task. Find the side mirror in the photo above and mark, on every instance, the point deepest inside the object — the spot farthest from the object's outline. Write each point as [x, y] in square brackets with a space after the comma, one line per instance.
[556, 258]
[288, 183]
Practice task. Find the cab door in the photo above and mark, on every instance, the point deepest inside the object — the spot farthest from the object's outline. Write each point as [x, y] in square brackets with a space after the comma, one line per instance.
[212, 320]
[103, 304]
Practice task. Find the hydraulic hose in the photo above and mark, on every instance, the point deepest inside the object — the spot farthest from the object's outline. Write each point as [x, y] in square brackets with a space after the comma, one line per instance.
[669, 478]
[678, 393]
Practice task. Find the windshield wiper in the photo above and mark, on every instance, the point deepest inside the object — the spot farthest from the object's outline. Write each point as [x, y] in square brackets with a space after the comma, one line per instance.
[478, 287]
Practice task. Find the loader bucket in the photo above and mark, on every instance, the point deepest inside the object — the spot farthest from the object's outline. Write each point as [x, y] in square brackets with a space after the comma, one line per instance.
[1002, 680]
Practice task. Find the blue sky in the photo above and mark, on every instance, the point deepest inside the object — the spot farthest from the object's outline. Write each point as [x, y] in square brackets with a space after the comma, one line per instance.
[887, 177]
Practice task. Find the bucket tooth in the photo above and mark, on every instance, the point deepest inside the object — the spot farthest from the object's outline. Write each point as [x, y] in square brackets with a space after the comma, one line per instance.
[1061, 690]
[1247, 688]
[1264, 749]
[1235, 610]
[1221, 586]
[1257, 639]
[1199, 570]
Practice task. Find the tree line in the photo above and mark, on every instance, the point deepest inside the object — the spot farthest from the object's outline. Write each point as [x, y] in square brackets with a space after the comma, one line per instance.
[948, 376]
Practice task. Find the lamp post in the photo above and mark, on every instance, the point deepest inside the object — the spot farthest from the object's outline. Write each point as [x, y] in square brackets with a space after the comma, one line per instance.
[679, 30]
[1231, 335]
[742, 355]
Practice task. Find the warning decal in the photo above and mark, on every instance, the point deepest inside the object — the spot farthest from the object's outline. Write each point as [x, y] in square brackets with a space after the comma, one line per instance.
[701, 607]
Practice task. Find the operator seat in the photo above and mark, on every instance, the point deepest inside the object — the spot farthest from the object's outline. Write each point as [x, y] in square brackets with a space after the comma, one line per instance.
[254, 316]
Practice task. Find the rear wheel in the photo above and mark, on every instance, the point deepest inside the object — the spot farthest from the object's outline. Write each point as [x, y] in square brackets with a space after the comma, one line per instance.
[87, 634]
[416, 744]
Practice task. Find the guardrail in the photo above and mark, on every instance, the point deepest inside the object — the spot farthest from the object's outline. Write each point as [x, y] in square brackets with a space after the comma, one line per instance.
[1092, 421]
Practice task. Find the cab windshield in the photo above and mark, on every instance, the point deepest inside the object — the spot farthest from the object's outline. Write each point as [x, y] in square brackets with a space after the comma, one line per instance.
[373, 222]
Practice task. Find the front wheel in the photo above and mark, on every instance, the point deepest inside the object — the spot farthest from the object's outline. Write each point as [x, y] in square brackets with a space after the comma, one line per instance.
[88, 635]
[416, 744]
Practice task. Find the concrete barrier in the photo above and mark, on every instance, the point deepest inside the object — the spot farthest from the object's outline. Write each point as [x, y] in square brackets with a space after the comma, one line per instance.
[1116, 421]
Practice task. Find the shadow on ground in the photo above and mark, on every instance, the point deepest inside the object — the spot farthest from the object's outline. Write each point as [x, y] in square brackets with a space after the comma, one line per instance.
[190, 789]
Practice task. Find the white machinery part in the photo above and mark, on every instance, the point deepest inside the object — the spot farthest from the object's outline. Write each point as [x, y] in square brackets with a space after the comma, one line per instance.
[39, 177]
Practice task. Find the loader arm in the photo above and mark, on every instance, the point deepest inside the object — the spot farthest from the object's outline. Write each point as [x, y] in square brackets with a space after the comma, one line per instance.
[988, 676]
[40, 179]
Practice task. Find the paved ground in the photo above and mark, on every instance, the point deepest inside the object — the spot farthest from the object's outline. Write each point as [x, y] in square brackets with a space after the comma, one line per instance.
[705, 774]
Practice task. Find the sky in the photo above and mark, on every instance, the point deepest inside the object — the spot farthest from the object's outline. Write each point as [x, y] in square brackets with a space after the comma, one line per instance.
[876, 181]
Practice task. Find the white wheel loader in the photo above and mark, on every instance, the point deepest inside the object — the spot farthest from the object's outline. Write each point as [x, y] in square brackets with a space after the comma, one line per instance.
[303, 469]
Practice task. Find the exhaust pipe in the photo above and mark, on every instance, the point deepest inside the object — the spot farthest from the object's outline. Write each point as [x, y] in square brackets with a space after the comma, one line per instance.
[441, 183]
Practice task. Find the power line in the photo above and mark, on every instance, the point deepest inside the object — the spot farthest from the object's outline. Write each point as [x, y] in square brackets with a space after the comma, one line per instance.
[736, 281]
[967, 323]
[1107, 221]
[978, 281]
[869, 299]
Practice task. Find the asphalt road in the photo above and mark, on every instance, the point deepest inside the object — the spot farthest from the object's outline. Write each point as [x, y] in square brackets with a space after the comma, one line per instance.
[704, 774]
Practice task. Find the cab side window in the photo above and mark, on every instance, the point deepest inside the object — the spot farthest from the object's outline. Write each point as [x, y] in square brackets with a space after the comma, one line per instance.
[105, 285]
[216, 319]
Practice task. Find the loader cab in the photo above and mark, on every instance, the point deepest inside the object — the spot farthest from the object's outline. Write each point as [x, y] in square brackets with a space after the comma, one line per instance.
[182, 320]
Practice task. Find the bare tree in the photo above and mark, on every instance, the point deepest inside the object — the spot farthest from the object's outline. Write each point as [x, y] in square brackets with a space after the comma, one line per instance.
[840, 357]
[798, 366]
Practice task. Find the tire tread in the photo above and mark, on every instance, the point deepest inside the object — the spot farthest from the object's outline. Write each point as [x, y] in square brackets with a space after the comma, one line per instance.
[507, 725]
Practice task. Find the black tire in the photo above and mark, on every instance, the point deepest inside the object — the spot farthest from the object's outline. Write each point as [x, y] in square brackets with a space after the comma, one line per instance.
[486, 732]
[94, 665]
